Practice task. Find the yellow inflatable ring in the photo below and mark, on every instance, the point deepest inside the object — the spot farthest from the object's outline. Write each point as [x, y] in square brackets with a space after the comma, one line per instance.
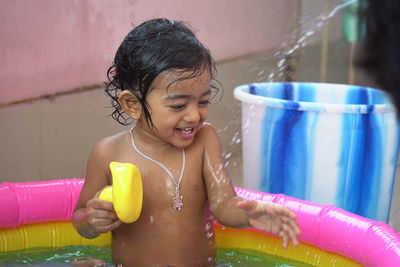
[126, 192]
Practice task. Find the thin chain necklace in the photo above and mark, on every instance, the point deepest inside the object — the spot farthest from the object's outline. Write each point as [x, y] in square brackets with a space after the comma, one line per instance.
[177, 201]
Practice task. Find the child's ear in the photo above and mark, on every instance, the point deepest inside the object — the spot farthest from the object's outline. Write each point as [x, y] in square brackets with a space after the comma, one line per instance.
[130, 104]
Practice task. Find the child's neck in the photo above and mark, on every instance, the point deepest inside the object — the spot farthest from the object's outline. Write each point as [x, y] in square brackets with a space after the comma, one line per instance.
[149, 143]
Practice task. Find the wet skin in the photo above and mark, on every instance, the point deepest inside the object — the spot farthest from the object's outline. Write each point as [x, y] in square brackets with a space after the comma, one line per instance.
[164, 236]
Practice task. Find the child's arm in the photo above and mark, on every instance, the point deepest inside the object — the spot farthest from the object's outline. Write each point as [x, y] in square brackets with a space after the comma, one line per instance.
[231, 210]
[92, 216]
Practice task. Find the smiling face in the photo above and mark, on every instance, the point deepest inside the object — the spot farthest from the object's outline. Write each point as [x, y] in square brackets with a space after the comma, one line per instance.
[178, 108]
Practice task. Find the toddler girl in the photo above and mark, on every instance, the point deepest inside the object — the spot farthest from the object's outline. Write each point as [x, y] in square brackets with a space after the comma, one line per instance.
[163, 79]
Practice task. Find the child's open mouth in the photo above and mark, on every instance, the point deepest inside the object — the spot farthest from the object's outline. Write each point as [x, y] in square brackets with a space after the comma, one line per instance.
[187, 132]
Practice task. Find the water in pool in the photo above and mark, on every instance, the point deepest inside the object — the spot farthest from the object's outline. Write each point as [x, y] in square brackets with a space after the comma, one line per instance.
[66, 256]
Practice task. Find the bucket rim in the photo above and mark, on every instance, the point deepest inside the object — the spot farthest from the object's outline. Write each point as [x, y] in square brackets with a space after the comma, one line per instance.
[241, 93]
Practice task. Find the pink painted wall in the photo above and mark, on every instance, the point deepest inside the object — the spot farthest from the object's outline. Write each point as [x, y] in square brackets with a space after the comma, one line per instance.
[48, 46]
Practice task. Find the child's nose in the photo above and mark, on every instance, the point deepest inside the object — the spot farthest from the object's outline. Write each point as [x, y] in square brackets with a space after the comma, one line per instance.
[192, 115]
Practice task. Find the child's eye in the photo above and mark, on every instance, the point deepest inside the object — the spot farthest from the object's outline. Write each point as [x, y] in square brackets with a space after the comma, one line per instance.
[177, 107]
[205, 102]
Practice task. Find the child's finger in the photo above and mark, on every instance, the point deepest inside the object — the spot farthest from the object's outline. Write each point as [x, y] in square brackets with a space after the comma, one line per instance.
[115, 224]
[283, 211]
[100, 204]
[295, 241]
[293, 236]
[296, 227]
[290, 232]
[292, 224]
[106, 214]
[108, 227]
[289, 213]
[284, 237]
[276, 209]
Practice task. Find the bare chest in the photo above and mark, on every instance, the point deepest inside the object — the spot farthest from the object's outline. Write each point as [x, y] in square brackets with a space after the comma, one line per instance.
[181, 186]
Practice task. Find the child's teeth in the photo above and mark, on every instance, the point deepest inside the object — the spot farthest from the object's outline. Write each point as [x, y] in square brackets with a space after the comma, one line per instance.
[186, 130]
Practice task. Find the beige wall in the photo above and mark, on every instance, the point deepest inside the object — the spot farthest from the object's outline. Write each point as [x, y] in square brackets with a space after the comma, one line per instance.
[51, 139]
[48, 46]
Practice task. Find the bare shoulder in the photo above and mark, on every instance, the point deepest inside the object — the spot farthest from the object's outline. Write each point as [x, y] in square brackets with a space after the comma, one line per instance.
[103, 152]
[108, 146]
[208, 133]
[208, 139]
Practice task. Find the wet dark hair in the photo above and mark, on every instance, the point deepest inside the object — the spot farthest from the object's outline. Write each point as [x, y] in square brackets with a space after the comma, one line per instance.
[379, 53]
[149, 49]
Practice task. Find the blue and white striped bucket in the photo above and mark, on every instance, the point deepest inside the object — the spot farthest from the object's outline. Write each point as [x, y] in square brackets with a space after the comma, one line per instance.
[327, 143]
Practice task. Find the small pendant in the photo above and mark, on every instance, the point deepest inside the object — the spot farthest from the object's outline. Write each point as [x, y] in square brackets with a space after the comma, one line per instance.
[178, 200]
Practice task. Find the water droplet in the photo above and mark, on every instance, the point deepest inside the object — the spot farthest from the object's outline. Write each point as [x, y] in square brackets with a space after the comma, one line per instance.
[235, 139]
[228, 156]
[281, 62]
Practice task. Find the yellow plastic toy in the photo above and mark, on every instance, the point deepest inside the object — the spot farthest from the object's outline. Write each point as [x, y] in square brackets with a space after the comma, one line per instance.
[126, 192]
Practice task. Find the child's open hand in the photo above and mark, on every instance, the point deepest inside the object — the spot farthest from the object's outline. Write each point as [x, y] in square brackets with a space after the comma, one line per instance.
[272, 218]
[100, 215]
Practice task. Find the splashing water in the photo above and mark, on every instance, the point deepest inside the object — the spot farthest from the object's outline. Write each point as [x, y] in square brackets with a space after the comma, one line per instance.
[294, 43]
[287, 51]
